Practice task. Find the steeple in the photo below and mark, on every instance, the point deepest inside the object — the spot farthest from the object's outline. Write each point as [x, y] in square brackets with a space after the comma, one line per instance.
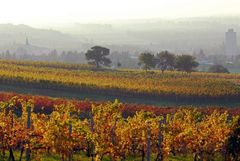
[26, 43]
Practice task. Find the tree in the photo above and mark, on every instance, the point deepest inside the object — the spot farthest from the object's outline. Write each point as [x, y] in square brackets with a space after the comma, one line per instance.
[218, 69]
[147, 60]
[186, 63]
[97, 56]
[119, 64]
[165, 60]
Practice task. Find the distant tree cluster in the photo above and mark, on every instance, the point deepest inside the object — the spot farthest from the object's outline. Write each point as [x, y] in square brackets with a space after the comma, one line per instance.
[167, 61]
[218, 69]
[164, 60]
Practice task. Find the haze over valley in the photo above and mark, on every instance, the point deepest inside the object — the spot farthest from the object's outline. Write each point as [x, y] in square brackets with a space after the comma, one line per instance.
[186, 35]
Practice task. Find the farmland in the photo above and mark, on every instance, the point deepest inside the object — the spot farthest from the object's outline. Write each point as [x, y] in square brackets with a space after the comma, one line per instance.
[62, 128]
[107, 133]
[132, 83]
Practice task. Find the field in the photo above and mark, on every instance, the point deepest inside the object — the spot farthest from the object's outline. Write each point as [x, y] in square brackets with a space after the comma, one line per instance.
[131, 83]
[57, 128]
[105, 132]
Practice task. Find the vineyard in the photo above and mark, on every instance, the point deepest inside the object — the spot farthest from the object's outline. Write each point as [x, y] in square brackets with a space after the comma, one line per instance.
[56, 65]
[107, 134]
[130, 83]
[129, 80]
[40, 127]
[43, 104]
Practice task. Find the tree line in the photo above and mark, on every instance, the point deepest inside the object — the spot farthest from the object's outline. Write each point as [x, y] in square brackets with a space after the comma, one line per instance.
[167, 61]
[98, 56]
[164, 60]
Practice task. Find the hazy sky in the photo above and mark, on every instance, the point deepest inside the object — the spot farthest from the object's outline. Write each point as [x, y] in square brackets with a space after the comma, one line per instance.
[42, 12]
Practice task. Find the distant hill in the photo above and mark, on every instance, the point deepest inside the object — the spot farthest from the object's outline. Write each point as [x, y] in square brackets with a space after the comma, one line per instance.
[185, 35]
[14, 36]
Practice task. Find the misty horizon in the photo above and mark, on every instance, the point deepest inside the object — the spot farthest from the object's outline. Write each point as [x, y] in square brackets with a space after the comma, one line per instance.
[123, 21]
[132, 27]
[49, 13]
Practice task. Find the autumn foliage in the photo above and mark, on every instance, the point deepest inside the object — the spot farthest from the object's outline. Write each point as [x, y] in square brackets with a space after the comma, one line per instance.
[135, 83]
[106, 133]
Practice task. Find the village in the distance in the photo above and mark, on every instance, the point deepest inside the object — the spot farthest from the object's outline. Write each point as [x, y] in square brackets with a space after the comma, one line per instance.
[126, 42]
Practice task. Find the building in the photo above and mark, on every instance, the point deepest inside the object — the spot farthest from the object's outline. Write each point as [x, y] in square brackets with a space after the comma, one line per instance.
[231, 43]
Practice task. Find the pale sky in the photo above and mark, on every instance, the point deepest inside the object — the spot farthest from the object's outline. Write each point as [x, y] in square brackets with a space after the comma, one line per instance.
[40, 12]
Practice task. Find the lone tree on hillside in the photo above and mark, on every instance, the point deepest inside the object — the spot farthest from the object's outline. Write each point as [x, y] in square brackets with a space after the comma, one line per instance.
[165, 60]
[186, 63]
[218, 69]
[97, 56]
[147, 60]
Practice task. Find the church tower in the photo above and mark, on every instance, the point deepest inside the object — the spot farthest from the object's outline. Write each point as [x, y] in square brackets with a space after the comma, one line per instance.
[26, 43]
